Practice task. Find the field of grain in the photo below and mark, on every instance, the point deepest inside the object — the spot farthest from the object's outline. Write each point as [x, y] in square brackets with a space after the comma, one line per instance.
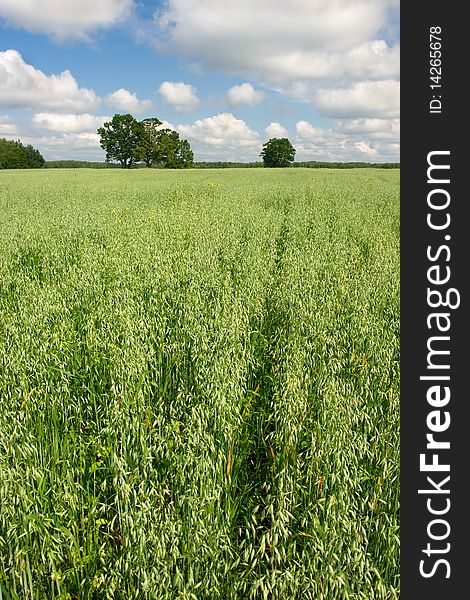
[199, 384]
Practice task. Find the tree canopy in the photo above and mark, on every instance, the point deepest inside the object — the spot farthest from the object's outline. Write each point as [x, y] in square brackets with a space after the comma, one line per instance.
[129, 141]
[121, 138]
[14, 155]
[278, 152]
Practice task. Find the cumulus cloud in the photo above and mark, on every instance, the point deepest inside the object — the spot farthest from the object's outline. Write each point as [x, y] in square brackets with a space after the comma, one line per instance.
[219, 137]
[76, 20]
[223, 128]
[222, 137]
[60, 146]
[370, 125]
[282, 40]
[128, 102]
[84, 140]
[370, 60]
[71, 123]
[315, 143]
[79, 146]
[275, 130]
[7, 128]
[339, 56]
[306, 131]
[244, 94]
[182, 96]
[367, 99]
[365, 148]
[385, 129]
[24, 86]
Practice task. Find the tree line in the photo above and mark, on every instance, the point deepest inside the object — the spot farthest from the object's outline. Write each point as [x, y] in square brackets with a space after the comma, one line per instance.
[310, 164]
[14, 155]
[85, 164]
[313, 164]
[130, 142]
[79, 164]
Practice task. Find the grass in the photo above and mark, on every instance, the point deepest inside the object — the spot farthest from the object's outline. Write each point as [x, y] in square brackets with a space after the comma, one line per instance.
[199, 384]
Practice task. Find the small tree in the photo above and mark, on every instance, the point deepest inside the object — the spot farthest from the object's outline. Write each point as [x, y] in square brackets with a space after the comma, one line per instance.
[171, 152]
[121, 138]
[174, 152]
[278, 152]
[185, 155]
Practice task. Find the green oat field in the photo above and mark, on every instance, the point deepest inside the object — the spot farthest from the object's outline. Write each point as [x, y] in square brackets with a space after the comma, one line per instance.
[199, 384]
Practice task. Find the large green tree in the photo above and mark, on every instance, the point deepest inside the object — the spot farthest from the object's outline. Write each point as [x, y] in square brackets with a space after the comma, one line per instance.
[278, 152]
[14, 155]
[121, 138]
[130, 141]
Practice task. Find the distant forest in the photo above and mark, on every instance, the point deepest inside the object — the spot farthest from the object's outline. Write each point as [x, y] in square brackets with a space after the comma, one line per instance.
[312, 164]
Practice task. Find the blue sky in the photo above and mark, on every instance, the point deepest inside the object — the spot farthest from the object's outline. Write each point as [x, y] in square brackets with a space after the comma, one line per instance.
[226, 74]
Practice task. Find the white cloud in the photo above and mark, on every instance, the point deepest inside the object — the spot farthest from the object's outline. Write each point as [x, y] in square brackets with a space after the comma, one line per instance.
[71, 123]
[244, 94]
[383, 129]
[307, 131]
[222, 137]
[217, 138]
[75, 20]
[279, 41]
[7, 128]
[365, 148]
[275, 130]
[317, 138]
[80, 146]
[24, 86]
[182, 96]
[83, 139]
[341, 56]
[368, 99]
[220, 129]
[370, 60]
[128, 102]
[314, 143]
